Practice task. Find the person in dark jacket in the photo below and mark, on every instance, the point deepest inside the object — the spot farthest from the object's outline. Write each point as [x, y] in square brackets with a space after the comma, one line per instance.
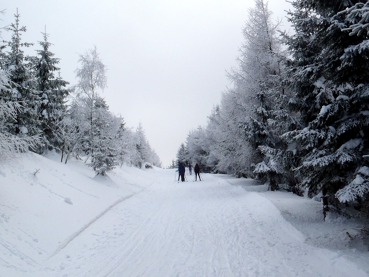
[197, 172]
[190, 169]
[181, 172]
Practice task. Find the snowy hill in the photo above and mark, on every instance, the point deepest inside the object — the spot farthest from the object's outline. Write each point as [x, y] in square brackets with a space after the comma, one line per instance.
[47, 206]
[44, 204]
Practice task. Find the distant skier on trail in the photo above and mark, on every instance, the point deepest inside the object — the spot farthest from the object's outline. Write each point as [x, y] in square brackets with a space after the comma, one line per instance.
[190, 169]
[181, 172]
[197, 172]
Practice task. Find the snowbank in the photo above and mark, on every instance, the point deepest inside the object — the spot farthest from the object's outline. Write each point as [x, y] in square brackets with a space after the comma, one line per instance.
[347, 236]
[45, 204]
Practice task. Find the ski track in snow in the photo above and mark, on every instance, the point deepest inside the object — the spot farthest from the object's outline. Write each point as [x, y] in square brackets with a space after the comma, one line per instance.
[206, 228]
[76, 234]
[84, 228]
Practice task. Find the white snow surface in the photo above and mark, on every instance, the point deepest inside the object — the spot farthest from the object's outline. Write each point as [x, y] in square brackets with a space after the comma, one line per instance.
[60, 220]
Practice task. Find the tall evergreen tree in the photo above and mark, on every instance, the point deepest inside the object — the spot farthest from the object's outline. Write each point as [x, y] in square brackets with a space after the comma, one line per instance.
[142, 147]
[26, 121]
[182, 154]
[53, 92]
[233, 151]
[213, 139]
[75, 128]
[103, 158]
[259, 80]
[121, 141]
[331, 83]
[9, 142]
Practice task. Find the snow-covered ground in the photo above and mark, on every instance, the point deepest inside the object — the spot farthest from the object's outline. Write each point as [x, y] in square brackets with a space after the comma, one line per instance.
[61, 220]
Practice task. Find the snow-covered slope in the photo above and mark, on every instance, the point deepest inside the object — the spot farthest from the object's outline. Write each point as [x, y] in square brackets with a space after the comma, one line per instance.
[62, 220]
[44, 204]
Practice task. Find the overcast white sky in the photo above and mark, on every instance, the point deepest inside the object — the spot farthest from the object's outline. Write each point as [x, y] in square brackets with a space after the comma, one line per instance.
[166, 59]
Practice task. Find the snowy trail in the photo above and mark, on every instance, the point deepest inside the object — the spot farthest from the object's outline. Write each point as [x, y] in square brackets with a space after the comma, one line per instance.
[207, 228]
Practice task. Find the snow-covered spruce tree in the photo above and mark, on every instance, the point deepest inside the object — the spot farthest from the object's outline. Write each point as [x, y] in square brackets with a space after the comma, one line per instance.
[127, 152]
[91, 78]
[225, 145]
[331, 83]
[26, 121]
[213, 140]
[53, 92]
[9, 142]
[154, 158]
[259, 82]
[230, 147]
[75, 130]
[103, 157]
[197, 148]
[299, 71]
[77, 134]
[9, 108]
[121, 141]
[182, 154]
[143, 153]
[140, 144]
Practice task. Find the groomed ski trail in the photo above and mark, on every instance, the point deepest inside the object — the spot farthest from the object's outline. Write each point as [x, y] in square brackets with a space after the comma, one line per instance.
[207, 228]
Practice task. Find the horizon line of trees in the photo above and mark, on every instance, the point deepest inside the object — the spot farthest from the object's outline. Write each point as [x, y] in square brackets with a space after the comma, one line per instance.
[297, 115]
[40, 113]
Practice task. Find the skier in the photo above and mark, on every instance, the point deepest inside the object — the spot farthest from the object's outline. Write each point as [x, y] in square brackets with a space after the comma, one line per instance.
[190, 169]
[197, 172]
[181, 172]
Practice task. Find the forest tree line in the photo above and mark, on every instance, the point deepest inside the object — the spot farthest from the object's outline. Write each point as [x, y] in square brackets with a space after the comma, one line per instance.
[41, 112]
[296, 116]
